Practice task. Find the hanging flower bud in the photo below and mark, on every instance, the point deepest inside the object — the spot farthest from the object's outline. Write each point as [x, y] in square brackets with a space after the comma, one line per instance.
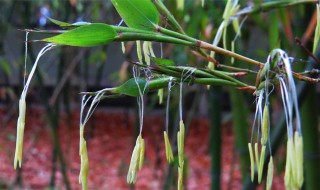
[151, 49]
[132, 173]
[181, 142]
[298, 146]
[160, 95]
[261, 163]
[142, 151]
[83, 177]
[146, 52]
[270, 174]
[123, 48]
[251, 161]
[169, 154]
[256, 153]
[290, 176]
[180, 176]
[265, 126]
[139, 53]
[180, 4]
[20, 132]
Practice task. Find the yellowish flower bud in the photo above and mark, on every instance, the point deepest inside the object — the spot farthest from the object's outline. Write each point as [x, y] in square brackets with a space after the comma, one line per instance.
[83, 177]
[265, 126]
[180, 4]
[132, 173]
[180, 176]
[298, 146]
[169, 154]
[20, 132]
[270, 174]
[146, 52]
[139, 51]
[181, 142]
[251, 161]
[256, 153]
[160, 95]
[261, 163]
[84, 170]
[123, 48]
[290, 170]
[151, 49]
[142, 151]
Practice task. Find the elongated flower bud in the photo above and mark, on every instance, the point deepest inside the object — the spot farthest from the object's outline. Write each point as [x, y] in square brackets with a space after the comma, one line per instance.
[270, 174]
[123, 48]
[180, 176]
[84, 170]
[290, 176]
[139, 51]
[142, 150]
[20, 132]
[146, 52]
[265, 126]
[180, 4]
[83, 177]
[132, 173]
[169, 154]
[251, 161]
[261, 163]
[160, 95]
[151, 49]
[181, 142]
[298, 146]
[256, 153]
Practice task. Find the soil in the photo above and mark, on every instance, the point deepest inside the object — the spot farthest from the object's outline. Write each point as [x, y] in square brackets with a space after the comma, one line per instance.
[110, 138]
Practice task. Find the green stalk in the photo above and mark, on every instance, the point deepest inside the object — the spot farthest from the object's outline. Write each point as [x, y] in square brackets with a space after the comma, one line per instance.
[207, 46]
[166, 13]
[272, 5]
[310, 139]
[240, 122]
[215, 136]
[120, 29]
[276, 136]
[212, 81]
[133, 36]
[206, 74]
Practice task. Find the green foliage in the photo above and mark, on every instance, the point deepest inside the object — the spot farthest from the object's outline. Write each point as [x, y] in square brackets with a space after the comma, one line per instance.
[139, 14]
[130, 88]
[85, 36]
[160, 61]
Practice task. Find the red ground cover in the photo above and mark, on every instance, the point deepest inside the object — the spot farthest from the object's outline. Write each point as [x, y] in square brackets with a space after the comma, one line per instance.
[110, 143]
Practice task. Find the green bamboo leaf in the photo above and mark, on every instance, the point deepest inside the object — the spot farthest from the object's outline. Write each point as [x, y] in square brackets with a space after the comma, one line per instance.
[5, 67]
[130, 88]
[60, 23]
[160, 61]
[66, 24]
[85, 36]
[140, 14]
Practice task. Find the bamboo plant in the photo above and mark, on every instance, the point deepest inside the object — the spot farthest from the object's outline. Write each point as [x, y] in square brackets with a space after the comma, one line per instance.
[151, 73]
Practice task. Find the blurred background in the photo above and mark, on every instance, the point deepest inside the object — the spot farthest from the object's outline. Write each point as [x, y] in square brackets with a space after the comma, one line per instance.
[218, 119]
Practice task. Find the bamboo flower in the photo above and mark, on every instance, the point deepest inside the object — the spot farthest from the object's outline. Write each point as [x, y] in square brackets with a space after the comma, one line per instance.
[169, 154]
[261, 163]
[265, 126]
[83, 177]
[270, 174]
[20, 132]
[298, 150]
[135, 161]
[251, 161]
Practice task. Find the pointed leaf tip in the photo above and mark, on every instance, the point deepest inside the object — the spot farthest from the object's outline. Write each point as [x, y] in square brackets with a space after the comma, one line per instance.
[85, 36]
[139, 14]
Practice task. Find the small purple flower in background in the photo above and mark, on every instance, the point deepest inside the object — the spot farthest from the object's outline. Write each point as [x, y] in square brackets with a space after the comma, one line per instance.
[45, 12]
